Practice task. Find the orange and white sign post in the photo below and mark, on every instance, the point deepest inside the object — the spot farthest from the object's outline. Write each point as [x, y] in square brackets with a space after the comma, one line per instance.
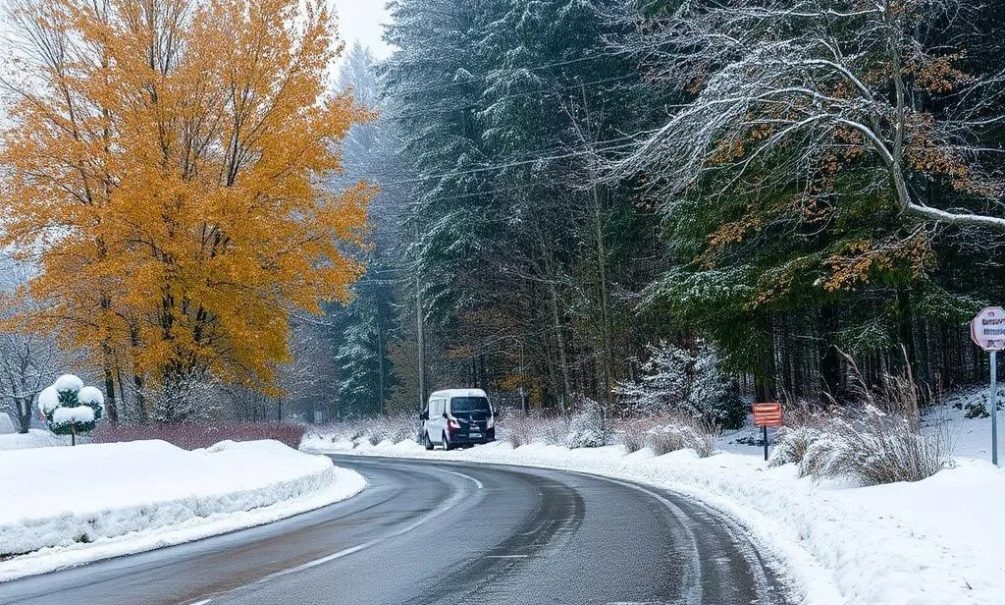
[987, 330]
[765, 415]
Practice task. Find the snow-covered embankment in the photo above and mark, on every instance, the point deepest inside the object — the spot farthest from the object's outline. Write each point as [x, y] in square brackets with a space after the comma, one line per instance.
[68, 506]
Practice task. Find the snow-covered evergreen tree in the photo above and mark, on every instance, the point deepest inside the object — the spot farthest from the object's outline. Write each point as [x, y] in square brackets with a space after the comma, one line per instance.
[664, 383]
[365, 373]
[675, 379]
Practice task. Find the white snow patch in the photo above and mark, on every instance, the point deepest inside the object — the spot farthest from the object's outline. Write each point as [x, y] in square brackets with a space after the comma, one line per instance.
[69, 506]
[77, 415]
[6, 424]
[48, 399]
[68, 382]
[33, 438]
[91, 396]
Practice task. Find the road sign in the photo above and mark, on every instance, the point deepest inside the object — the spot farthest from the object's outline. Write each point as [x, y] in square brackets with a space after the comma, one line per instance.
[767, 414]
[987, 330]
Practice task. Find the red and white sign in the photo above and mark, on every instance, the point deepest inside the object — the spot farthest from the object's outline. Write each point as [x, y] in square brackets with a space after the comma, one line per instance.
[987, 330]
[767, 414]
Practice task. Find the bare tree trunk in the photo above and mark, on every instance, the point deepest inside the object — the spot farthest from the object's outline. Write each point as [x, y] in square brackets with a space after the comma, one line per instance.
[110, 402]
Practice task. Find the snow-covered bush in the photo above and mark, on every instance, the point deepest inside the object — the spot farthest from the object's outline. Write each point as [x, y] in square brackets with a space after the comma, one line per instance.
[553, 431]
[70, 408]
[517, 429]
[633, 434]
[713, 393]
[675, 380]
[682, 435]
[394, 429]
[875, 447]
[199, 435]
[587, 427]
[791, 444]
[665, 434]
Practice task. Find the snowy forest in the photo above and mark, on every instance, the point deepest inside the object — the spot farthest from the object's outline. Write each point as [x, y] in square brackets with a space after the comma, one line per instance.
[574, 195]
[571, 189]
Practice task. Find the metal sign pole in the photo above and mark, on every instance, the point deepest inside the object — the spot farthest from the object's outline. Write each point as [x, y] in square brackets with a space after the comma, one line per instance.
[994, 407]
[987, 330]
[765, 427]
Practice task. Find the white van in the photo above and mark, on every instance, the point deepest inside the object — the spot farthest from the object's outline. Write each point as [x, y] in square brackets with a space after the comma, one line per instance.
[457, 417]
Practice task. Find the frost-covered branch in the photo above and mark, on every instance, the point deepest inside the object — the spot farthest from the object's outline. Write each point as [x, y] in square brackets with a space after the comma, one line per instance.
[801, 91]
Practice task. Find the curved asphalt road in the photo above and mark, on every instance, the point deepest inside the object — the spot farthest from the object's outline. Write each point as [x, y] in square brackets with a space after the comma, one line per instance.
[427, 532]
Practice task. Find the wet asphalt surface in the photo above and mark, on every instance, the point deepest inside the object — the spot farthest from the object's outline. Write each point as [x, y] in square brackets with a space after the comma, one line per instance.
[430, 532]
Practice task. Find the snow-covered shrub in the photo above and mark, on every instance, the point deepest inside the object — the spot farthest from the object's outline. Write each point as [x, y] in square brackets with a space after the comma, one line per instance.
[372, 431]
[875, 447]
[881, 440]
[517, 429]
[587, 427]
[682, 434]
[665, 434]
[675, 380]
[633, 434]
[553, 431]
[713, 393]
[70, 408]
[791, 444]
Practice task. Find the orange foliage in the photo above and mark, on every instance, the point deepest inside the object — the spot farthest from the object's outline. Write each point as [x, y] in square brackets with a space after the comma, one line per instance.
[859, 260]
[165, 160]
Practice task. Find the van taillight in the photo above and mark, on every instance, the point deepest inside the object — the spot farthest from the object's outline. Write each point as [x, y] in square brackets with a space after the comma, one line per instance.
[453, 424]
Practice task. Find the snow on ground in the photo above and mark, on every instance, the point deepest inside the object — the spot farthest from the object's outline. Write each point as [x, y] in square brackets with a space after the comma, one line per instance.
[68, 506]
[33, 438]
[935, 542]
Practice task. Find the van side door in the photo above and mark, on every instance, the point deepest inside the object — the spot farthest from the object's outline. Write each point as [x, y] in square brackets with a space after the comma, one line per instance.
[435, 424]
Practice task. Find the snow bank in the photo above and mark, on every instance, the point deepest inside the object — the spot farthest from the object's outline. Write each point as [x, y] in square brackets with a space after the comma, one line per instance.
[66, 506]
[934, 542]
[33, 438]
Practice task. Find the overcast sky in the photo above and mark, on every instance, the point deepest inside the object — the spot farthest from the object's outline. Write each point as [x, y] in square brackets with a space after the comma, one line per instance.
[361, 20]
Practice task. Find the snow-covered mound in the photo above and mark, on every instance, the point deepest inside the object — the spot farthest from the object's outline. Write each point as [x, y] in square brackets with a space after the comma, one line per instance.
[33, 438]
[70, 505]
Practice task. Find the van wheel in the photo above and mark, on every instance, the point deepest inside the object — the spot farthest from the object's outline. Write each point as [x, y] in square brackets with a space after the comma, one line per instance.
[426, 442]
[446, 443]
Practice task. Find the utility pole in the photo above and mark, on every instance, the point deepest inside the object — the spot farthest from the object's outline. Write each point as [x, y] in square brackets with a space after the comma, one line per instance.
[421, 344]
[380, 361]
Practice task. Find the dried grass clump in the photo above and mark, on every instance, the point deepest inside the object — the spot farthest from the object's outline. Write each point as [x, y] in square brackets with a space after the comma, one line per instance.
[881, 440]
[791, 444]
[683, 434]
[667, 433]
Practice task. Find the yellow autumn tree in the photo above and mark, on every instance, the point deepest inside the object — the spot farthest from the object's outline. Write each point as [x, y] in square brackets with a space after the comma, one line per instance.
[166, 161]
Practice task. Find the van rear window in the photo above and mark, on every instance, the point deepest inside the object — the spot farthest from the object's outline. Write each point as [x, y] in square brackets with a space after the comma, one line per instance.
[469, 404]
